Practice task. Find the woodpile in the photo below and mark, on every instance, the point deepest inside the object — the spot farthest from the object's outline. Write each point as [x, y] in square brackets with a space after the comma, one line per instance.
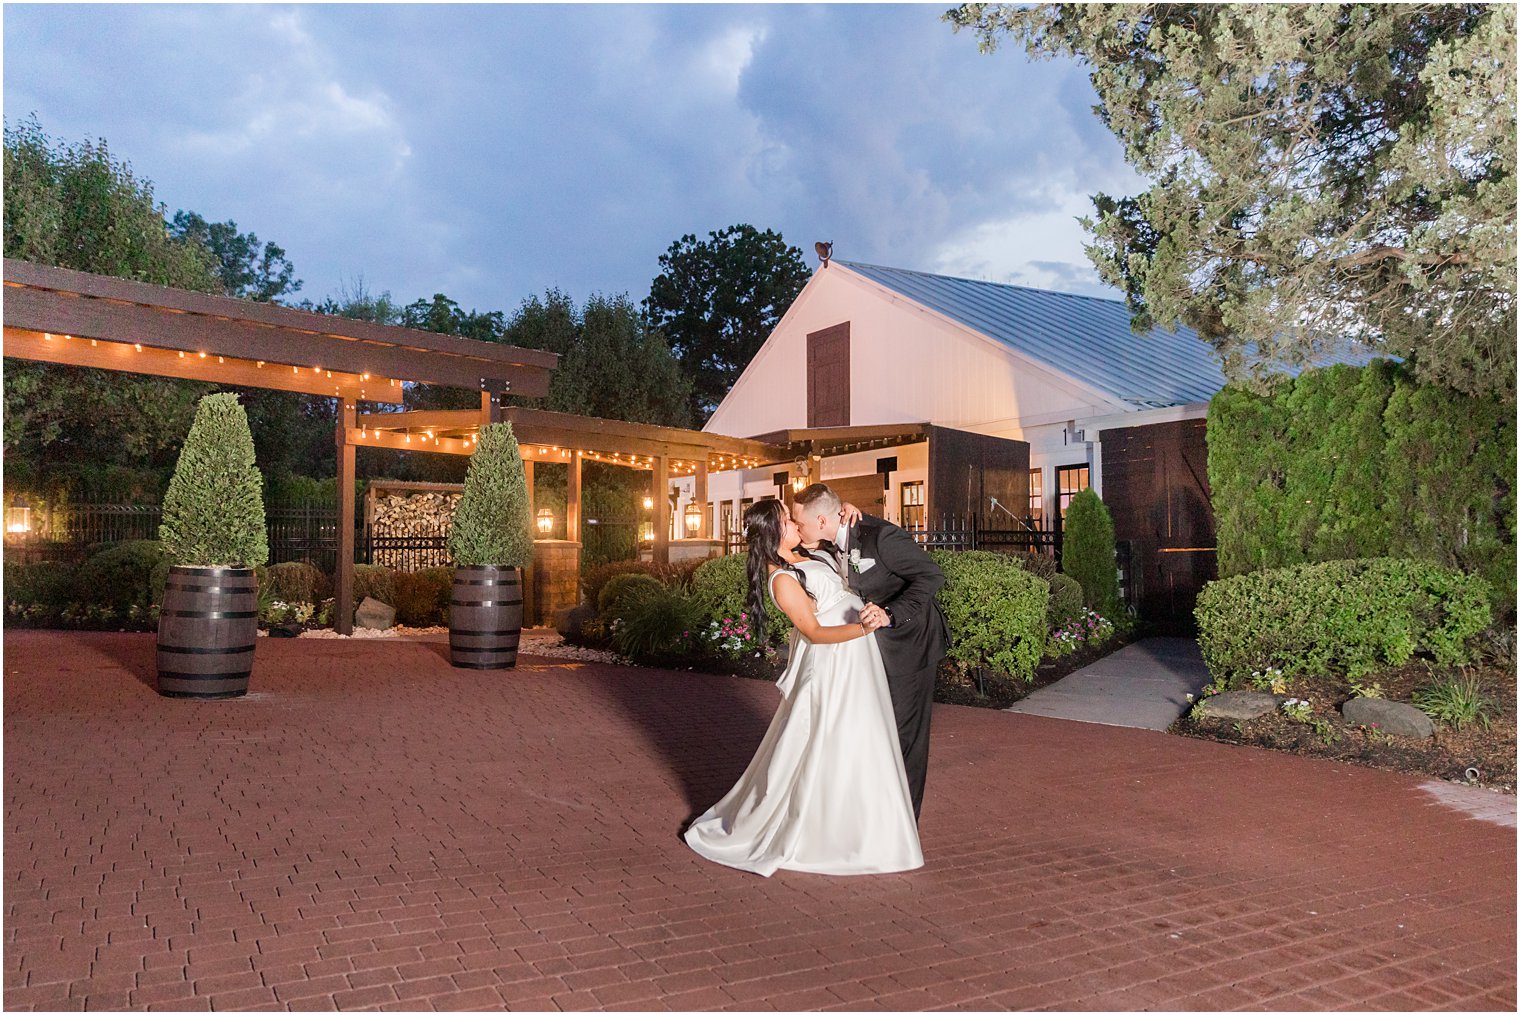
[415, 515]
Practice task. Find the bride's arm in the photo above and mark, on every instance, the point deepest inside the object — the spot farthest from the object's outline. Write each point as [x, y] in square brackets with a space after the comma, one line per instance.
[794, 602]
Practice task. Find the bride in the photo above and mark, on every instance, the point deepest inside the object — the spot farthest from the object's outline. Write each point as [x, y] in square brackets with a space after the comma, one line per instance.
[826, 791]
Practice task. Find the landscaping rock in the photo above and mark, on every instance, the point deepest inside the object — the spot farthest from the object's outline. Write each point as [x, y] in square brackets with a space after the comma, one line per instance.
[375, 615]
[1392, 717]
[1240, 704]
[571, 621]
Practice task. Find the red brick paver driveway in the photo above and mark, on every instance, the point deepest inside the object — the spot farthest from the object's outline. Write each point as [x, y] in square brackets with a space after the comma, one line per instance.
[374, 828]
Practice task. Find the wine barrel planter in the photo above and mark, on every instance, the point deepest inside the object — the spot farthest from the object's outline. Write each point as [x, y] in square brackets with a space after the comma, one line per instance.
[485, 617]
[208, 626]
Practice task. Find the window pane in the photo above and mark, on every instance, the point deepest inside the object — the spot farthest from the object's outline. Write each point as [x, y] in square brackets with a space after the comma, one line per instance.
[913, 505]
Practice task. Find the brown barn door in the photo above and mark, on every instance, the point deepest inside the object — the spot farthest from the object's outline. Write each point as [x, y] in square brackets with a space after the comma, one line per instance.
[828, 376]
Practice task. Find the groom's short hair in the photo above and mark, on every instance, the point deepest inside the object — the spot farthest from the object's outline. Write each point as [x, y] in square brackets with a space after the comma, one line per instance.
[819, 499]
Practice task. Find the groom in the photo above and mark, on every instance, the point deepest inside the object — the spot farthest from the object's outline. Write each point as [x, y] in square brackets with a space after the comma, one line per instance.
[884, 566]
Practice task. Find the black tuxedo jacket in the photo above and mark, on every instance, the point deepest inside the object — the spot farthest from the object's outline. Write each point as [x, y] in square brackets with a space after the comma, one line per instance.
[904, 579]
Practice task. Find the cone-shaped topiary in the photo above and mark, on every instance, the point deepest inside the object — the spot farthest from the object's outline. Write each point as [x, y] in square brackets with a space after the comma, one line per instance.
[214, 510]
[1087, 554]
[492, 525]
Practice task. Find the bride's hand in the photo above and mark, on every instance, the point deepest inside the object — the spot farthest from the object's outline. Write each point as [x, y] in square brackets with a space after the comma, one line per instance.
[849, 514]
[872, 618]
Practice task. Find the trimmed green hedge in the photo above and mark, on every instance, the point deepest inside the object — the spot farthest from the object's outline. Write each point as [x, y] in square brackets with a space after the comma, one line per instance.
[1343, 618]
[422, 597]
[294, 582]
[376, 582]
[1349, 462]
[996, 611]
[1065, 601]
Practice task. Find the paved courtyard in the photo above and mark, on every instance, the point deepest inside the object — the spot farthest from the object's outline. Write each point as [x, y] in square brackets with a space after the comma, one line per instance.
[372, 828]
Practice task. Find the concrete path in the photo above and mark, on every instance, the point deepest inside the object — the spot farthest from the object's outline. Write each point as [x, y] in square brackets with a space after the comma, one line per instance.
[372, 828]
[1142, 686]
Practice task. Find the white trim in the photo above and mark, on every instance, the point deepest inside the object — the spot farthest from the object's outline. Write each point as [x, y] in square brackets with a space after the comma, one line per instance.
[1142, 417]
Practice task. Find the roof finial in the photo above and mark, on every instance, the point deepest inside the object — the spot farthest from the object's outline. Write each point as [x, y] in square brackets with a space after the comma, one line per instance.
[824, 250]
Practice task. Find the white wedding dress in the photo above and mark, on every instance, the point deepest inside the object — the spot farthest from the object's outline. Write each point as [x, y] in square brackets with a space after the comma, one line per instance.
[826, 792]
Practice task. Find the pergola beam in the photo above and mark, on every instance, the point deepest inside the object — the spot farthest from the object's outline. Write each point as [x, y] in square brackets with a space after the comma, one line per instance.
[44, 299]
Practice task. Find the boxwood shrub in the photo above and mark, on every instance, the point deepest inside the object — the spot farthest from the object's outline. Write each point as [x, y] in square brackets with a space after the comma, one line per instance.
[996, 611]
[625, 587]
[295, 582]
[422, 597]
[1343, 618]
[721, 586]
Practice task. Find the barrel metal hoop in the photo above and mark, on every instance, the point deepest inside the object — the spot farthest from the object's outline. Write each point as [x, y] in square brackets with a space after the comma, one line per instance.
[485, 603]
[197, 651]
[209, 614]
[484, 648]
[212, 590]
[487, 581]
[171, 675]
[484, 666]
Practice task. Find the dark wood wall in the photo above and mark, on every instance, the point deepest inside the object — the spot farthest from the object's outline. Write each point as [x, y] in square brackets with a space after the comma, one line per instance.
[1156, 486]
[966, 470]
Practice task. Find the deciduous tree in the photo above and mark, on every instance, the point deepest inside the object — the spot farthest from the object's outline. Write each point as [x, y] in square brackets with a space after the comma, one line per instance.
[718, 299]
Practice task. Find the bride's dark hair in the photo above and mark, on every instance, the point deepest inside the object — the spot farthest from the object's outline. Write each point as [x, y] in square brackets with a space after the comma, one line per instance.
[763, 523]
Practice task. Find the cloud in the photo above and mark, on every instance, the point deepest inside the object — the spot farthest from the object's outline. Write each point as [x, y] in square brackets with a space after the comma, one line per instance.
[489, 152]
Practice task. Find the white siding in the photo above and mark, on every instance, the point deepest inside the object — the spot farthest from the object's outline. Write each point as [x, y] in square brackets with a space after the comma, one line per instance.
[907, 365]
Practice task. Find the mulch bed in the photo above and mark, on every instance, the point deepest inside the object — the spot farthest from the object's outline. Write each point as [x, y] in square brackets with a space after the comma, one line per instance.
[1447, 755]
[957, 688]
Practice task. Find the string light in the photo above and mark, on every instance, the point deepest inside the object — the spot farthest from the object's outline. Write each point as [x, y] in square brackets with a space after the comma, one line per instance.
[47, 336]
[138, 346]
[203, 355]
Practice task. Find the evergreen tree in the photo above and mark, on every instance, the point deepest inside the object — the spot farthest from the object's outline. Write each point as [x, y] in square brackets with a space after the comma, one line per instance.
[493, 525]
[1087, 555]
[214, 509]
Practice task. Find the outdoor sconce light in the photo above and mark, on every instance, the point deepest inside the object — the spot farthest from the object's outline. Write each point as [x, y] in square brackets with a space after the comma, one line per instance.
[648, 503]
[545, 521]
[18, 517]
[693, 518]
[646, 532]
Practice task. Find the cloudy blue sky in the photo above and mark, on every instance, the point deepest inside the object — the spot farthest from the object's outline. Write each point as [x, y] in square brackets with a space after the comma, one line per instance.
[490, 152]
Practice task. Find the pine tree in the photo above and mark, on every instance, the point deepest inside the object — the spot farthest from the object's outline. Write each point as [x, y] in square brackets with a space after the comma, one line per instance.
[493, 525]
[214, 509]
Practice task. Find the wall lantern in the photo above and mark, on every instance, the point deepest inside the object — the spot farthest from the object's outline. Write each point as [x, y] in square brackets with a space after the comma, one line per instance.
[648, 503]
[693, 518]
[545, 521]
[18, 517]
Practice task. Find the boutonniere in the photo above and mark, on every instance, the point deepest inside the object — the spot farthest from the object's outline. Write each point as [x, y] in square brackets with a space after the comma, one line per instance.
[860, 564]
[855, 559]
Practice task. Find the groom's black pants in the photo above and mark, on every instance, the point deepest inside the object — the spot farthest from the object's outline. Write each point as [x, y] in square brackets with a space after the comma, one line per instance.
[913, 704]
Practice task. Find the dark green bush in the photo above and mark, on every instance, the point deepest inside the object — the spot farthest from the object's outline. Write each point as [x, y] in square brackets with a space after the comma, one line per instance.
[45, 584]
[376, 582]
[1364, 462]
[214, 509]
[996, 611]
[295, 582]
[721, 586]
[124, 575]
[422, 597]
[1042, 565]
[1344, 618]
[624, 587]
[662, 623]
[1087, 554]
[677, 574]
[1065, 601]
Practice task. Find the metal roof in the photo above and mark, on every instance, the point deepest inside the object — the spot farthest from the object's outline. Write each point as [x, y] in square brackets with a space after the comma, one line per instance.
[1085, 337]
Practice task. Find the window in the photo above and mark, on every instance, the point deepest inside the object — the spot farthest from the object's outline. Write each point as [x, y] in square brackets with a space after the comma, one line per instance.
[913, 505]
[1070, 481]
[1037, 497]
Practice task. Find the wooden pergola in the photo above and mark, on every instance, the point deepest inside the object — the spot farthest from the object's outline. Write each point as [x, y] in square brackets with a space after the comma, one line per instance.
[55, 315]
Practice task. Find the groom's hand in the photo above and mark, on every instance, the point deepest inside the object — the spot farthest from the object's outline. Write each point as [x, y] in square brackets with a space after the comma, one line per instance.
[874, 616]
[849, 514]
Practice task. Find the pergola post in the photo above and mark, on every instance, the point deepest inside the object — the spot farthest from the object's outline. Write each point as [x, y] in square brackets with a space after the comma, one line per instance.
[343, 599]
[660, 480]
[700, 496]
[573, 498]
[532, 504]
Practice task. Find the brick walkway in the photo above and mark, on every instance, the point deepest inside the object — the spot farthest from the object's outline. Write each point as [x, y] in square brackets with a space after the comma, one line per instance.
[374, 828]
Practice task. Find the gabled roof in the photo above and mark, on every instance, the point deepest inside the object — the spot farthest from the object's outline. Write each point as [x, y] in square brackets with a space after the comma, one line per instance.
[1085, 337]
